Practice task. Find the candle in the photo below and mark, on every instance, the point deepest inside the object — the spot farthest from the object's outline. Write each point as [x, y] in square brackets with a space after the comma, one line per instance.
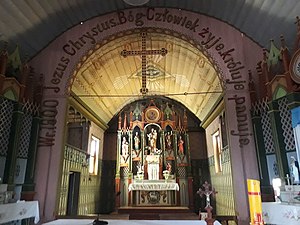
[288, 179]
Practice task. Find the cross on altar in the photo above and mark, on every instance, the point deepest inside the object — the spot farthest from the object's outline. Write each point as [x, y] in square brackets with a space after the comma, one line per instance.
[143, 53]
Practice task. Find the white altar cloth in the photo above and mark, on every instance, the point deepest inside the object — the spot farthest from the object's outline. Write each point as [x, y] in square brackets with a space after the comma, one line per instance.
[18, 211]
[130, 222]
[154, 186]
[281, 213]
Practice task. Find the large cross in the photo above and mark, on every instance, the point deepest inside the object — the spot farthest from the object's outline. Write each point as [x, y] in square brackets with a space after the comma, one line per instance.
[143, 53]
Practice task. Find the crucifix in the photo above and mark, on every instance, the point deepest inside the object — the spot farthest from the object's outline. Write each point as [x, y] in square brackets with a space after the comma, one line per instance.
[207, 190]
[143, 53]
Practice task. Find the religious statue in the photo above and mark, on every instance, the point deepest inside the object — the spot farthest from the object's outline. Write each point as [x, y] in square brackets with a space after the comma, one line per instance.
[169, 167]
[124, 147]
[152, 136]
[140, 171]
[295, 172]
[136, 141]
[180, 146]
[167, 172]
[169, 140]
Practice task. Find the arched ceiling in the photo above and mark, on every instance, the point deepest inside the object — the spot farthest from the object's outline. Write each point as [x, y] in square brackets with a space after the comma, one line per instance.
[107, 81]
[33, 24]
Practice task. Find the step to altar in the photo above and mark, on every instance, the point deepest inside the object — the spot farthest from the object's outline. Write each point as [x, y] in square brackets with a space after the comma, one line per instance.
[158, 213]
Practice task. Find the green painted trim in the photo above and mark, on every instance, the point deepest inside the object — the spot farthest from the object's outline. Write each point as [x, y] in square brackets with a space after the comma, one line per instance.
[260, 149]
[294, 100]
[10, 94]
[279, 92]
[13, 146]
[278, 140]
[34, 135]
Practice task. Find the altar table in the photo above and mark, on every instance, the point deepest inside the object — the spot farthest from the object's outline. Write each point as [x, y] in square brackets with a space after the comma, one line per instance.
[154, 186]
[150, 193]
[18, 211]
[281, 213]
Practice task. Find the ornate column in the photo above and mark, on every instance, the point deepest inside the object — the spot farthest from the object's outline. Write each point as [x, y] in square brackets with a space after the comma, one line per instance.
[189, 173]
[28, 186]
[130, 174]
[13, 146]
[176, 168]
[259, 141]
[267, 191]
[130, 147]
[279, 145]
[117, 179]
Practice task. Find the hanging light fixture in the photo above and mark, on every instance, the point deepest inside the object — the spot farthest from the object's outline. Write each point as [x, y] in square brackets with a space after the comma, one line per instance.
[136, 2]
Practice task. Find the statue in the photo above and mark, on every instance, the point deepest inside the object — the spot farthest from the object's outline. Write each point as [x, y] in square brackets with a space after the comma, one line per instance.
[169, 140]
[152, 136]
[140, 171]
[295, 172]
[180, 146]
[169, 167]
[167, 172]
[124, 147]
[136, 141]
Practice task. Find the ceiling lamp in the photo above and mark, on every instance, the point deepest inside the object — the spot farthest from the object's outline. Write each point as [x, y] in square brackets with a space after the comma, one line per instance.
[136, 2]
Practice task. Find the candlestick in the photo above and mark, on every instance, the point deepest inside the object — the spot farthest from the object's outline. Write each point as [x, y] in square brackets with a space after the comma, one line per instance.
[288, 178]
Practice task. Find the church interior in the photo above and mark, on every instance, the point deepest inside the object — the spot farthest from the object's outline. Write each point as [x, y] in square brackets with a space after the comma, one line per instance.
[149, 110]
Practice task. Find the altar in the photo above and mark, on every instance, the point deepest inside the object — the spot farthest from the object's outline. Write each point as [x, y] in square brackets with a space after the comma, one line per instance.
[153, 157]
[18, 211]
[153, 193]
[281, 213]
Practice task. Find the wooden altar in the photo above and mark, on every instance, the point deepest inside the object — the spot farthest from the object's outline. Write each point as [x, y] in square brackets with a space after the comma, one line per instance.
[153, 155]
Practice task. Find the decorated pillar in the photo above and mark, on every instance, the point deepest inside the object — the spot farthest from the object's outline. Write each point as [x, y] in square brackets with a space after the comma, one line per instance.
[279, 145]
[13, 146]
[117, 179]
[28, 186]
[130, 174]
[259, 137]
[189, 173]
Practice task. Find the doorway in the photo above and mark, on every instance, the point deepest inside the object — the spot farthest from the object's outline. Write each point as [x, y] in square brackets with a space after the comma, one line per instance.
[73, 193]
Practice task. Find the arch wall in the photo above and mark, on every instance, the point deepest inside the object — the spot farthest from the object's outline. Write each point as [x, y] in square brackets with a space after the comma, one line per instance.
[231, 51]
